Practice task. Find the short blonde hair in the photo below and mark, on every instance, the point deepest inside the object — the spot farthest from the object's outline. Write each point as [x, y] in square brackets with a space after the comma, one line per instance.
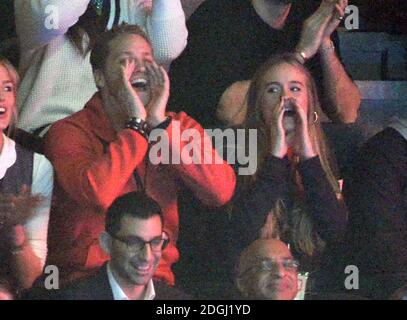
[15, 79]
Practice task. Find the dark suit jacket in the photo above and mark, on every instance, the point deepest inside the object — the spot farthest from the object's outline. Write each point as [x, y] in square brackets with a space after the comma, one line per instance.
[97, 287]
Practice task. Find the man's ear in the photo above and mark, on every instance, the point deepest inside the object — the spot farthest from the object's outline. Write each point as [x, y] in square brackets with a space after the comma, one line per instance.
[105, 241]
[99, 78]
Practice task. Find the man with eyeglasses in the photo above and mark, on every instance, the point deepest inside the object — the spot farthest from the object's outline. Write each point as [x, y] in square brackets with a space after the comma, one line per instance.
[267, 271]
[135, 240]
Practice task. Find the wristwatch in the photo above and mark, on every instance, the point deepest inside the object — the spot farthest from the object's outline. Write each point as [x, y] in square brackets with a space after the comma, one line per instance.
[139, 125]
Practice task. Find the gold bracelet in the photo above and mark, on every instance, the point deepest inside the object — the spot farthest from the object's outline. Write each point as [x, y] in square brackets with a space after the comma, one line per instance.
[302, 57]
[302, 54]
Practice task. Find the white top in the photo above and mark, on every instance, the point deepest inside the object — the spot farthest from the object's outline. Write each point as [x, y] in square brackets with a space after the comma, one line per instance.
[57, 80]
[118, 294]
[36, 227]
[8, 155]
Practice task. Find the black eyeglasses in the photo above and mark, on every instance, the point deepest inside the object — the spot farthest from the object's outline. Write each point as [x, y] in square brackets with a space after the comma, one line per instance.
[136, 244]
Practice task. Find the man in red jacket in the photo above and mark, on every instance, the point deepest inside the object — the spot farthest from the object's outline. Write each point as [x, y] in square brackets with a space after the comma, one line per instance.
[104, 151]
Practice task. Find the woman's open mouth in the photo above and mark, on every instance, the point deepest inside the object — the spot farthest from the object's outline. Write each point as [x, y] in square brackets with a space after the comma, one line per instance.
[289, 113]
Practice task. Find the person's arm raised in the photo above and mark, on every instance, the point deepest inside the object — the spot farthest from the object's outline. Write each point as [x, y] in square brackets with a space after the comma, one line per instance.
[38, 22]
[341, 95]
[167, 31]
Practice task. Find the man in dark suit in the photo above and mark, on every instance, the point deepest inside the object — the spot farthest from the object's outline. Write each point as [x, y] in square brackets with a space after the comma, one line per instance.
[134, 238]
[97, 287]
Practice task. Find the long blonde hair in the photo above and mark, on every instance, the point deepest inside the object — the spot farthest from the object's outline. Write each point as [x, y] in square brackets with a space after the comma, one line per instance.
[15, 79]
[298, 226]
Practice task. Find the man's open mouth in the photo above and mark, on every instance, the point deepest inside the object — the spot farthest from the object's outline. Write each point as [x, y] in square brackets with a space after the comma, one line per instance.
[139, 83]
[2, 111]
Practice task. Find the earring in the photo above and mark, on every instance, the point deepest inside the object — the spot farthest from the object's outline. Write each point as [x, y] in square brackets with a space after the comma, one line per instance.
[315, 117]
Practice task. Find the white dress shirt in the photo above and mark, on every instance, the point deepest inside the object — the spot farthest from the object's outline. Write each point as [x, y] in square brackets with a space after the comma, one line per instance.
[118, 294]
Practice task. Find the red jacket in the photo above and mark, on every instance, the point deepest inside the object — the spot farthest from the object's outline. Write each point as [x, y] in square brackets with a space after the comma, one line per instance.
[94, 165]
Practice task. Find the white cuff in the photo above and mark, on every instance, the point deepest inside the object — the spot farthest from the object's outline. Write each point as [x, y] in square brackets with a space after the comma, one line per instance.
[166, 9]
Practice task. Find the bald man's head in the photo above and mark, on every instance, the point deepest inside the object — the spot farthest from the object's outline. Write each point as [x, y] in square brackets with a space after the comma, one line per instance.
[267, 270]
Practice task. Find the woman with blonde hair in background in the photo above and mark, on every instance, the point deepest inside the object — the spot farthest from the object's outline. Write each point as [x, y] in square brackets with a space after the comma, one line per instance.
[26, 182]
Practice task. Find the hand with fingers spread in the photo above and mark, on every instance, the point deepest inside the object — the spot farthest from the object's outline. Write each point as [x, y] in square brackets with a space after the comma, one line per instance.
[16, 209]
[159, 94]
[302, 146]
[278, 142]
[314, 29]
[14, 212]
[128, 98]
